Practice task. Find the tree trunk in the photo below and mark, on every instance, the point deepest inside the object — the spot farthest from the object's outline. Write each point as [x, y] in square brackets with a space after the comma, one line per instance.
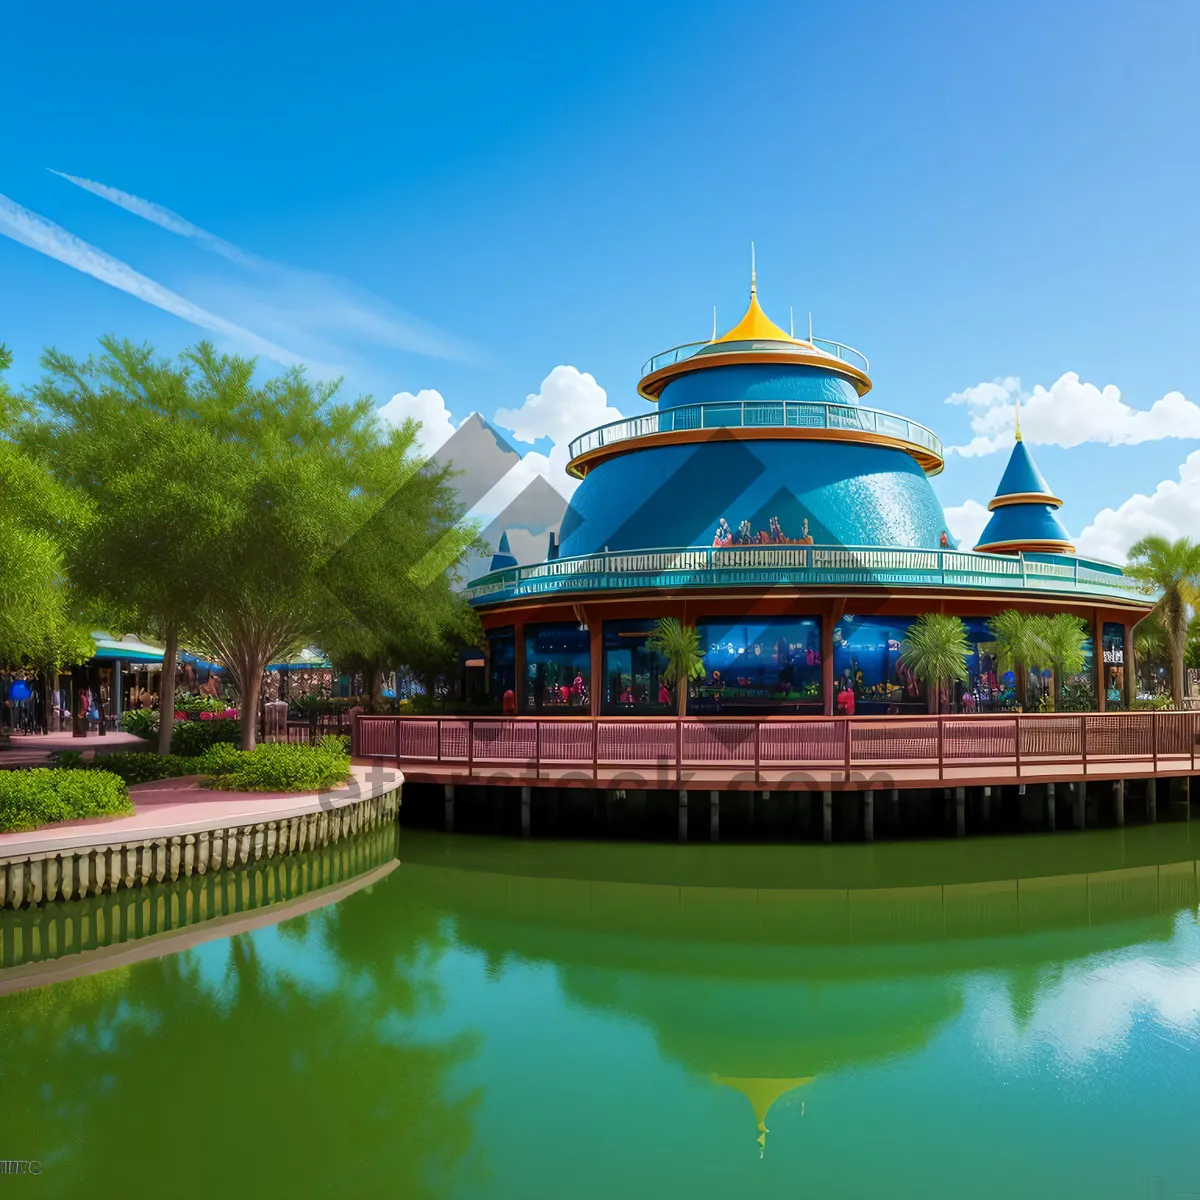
[1055, 689]
[251, 690]
[375, 678]
[97, 698]
[166, 692]
[681, 685]
[1021, 685]
[1177, 677]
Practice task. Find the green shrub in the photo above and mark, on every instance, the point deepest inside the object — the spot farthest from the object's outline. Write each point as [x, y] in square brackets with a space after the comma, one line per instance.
[1150, 703]
[195, 737]
[142, 767]
[45, 795]
[193, 706]
[140, 721]
[280, 767]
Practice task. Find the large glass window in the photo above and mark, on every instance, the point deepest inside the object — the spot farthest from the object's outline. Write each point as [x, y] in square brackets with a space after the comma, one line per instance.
[501, 663]
[633, 680]
[1113, 638]
[557, 669]
[866, 661]
[758, 665]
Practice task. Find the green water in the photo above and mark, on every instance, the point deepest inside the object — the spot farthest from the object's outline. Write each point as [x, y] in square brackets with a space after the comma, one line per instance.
[495, 1019]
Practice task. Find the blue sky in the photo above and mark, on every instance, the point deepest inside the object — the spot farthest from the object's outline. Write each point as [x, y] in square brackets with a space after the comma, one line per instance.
[460, 200]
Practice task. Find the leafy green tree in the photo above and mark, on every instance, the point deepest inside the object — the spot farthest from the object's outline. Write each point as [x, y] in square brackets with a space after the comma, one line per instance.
[145, 444]
[680, 646]
[40, 519]
[248, 518]
[935, 649]
[1172, 569]
[1018, 646]
[1062, 637]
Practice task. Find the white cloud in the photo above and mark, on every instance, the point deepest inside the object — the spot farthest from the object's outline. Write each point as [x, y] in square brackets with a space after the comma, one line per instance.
[35, 231]
[1070, 413]
[1173, 511]
[303, 306]
[1092, 1008]
[966, 522]
[570, 403]
[428, 407]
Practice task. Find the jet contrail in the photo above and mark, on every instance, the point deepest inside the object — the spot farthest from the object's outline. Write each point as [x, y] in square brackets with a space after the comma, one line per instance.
[35, 231]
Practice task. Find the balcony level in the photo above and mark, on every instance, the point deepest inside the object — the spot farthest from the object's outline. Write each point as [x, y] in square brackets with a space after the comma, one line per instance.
[814, 568]
[758, 419]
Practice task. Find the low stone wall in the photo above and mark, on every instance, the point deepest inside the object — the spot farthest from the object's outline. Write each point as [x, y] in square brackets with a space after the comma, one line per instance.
[67, 874]
[66, 938]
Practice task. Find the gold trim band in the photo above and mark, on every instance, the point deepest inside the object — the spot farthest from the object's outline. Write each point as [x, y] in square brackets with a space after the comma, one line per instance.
[930, 463]
[651, 386]
[1024, 498]
[1028, 547]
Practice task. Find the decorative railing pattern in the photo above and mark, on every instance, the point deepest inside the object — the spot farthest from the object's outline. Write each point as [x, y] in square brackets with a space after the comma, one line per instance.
[678, 354]
[761, 414]
[920, 748]
[803, 566]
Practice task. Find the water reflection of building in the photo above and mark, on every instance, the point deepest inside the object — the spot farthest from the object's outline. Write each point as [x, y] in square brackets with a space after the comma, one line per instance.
[765, 501]
[752, 987]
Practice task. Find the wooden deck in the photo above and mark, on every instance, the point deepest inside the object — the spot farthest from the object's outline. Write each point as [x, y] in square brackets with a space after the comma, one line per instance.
[783, 753]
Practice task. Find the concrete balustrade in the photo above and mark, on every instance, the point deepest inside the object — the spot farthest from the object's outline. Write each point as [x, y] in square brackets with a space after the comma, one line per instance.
[30, 880]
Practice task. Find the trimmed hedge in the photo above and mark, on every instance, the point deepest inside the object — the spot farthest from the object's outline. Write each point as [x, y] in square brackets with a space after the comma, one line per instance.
[195, 737]
[279, 767]
[45, 795]
[142, 766]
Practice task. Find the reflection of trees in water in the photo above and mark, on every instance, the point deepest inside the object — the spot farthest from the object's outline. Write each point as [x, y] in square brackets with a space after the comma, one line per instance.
[287, 1061]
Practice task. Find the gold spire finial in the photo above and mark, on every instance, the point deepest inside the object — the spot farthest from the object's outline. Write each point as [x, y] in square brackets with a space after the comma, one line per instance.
[753, 273]
[1018, 398]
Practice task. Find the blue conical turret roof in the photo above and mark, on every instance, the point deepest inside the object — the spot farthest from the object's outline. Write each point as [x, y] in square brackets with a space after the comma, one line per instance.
[1022, 478]
[503, 558]
[1023, 511]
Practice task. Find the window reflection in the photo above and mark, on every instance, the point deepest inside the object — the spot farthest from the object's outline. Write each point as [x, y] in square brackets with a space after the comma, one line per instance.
[866, 662]
[633, 680]
[1113, 639]
[761, 665]
[557, 669]
[502, 662]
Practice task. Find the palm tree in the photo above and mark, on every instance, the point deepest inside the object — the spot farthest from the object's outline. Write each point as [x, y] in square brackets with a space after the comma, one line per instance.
[1061, 637]
[1017, 646]
[1172, 569]
[680, 646]
[935, 649]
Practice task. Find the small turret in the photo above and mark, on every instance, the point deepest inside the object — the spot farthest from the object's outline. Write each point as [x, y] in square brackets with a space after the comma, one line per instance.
[1023, 510]
[503, 558]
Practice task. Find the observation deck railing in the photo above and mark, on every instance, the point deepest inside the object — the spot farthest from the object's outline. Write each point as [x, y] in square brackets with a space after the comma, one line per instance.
[677, 354]
[798, 565]
[764, 414]
[785, 752]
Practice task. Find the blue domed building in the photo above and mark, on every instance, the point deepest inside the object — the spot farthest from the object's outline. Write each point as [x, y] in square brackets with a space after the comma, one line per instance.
[767, 501]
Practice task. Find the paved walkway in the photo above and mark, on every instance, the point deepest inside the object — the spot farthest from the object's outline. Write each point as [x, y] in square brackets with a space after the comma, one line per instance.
[172, 807]
[34, 749]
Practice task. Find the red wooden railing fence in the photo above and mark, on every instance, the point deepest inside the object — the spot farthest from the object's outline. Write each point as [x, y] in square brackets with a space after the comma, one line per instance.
[1020, 746]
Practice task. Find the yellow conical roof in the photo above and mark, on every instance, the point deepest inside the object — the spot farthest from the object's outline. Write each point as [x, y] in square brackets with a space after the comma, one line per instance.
[756, 326]
[762, 1093]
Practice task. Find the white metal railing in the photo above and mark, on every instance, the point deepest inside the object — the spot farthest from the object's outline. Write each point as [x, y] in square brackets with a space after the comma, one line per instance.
[773, 562]
[759, 414]
[838, 350]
